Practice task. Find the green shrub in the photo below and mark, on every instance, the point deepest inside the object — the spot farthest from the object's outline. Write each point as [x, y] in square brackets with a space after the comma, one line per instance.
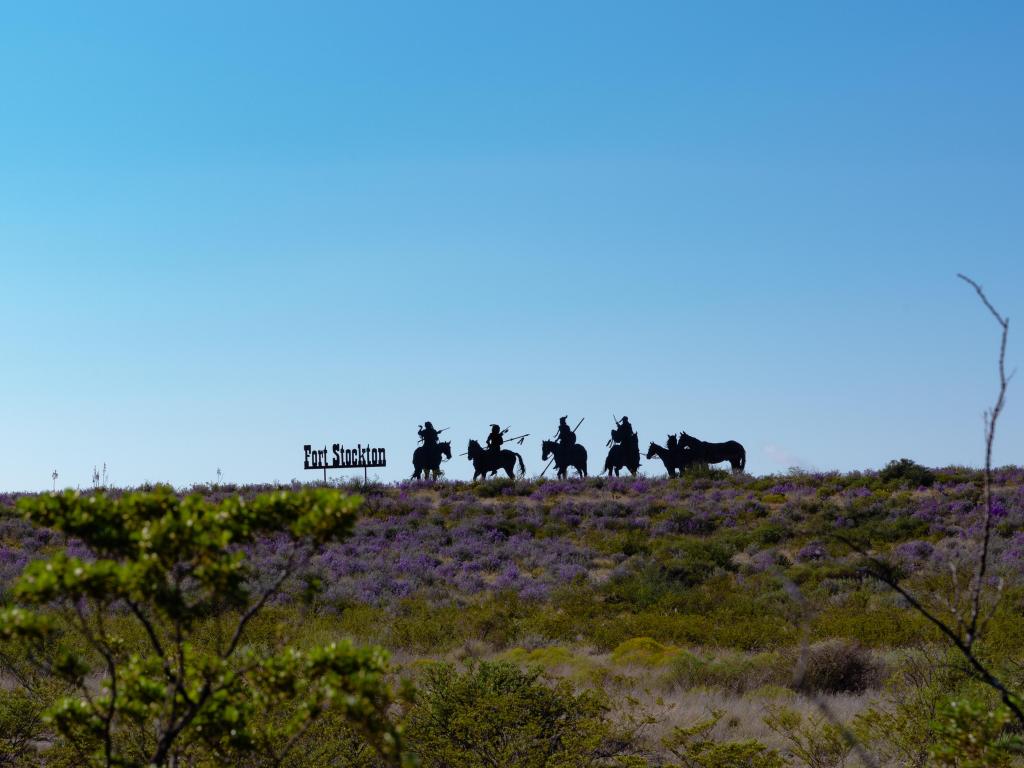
[906, 471]
[544, 658]
[735, 672]
[495, 714]
[695, 747]
[148, 637]
[969, 733]
[814, 741]
[644, 652]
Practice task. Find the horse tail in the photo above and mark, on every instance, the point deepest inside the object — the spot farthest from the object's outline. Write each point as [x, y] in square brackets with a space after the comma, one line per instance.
[743, 458]
[522, 467]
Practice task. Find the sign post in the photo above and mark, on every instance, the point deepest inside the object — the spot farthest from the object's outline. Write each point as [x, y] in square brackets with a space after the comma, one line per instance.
[340, 457]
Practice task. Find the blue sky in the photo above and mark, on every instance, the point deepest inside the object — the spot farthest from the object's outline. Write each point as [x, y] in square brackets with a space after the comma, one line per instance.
[230, 229]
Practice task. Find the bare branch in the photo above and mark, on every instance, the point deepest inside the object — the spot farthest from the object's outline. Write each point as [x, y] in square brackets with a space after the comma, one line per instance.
[991, 418]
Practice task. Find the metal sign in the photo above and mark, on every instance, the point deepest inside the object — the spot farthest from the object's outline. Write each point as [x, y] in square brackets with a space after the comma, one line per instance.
[340, 457]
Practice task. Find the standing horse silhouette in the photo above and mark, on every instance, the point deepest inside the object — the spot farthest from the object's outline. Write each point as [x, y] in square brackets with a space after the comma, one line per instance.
[677, 460]
[428, 459]
[490, 461]
[620, 456]
[573, 456]
[713, 453]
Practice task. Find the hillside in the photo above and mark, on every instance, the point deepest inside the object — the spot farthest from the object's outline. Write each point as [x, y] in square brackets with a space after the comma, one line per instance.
[671, 598]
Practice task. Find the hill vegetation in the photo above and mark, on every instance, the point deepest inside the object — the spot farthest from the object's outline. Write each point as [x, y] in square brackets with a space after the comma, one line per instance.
[713, 620]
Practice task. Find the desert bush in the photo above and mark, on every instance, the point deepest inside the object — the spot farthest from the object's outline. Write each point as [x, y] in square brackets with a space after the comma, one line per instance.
[813, 740]
[734, 672]
[644, 652]
[839, 666]
[695, 747]
[496, 714]
[906, 471]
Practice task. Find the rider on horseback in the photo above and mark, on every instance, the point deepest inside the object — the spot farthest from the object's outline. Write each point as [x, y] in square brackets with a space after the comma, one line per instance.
[566, 436]
[495, 438]
[428, 434]
[624, 433]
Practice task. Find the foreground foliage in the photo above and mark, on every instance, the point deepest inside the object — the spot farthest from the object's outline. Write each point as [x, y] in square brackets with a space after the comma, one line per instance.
[173, 567]
[662, 619]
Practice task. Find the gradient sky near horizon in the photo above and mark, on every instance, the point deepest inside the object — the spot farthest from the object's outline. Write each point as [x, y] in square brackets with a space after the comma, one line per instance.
[229, 229]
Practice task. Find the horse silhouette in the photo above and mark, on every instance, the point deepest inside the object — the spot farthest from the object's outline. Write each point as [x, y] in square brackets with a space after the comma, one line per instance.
[620, 456]
[573, 456]
[677, 460]
[713, 453]
[490, 461]
[428, 459]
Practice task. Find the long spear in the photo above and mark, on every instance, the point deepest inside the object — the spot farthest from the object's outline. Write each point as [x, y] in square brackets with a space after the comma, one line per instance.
[520, 438]
[552, 453]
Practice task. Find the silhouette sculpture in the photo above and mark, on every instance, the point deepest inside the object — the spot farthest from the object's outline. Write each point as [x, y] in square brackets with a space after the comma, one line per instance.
[496, 438]
[492, 460]
[565, 456]
[674, 457]
[626, 451]
[713, 453]
[428, 434]
[427, 458]
[566, 434]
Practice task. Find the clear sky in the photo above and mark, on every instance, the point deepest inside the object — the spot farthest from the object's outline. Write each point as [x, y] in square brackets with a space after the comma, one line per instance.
[228, 229]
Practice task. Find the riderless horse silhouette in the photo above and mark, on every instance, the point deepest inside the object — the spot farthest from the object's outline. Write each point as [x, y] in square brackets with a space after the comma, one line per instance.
[491, 461]
[679, 459]
[573, 456]
[428, 459]
[713, 453]
[623, 455]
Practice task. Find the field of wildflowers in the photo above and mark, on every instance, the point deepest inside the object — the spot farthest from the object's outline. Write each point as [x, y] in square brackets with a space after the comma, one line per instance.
[686, 604]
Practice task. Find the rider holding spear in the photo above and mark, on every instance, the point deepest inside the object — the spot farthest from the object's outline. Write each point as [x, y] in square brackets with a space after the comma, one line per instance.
[496, 438]
[566, 437]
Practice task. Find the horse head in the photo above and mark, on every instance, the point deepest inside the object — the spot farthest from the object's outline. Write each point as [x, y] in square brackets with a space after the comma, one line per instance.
[473, 450]
[446, 448]
[652, 450]
[547, 448]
